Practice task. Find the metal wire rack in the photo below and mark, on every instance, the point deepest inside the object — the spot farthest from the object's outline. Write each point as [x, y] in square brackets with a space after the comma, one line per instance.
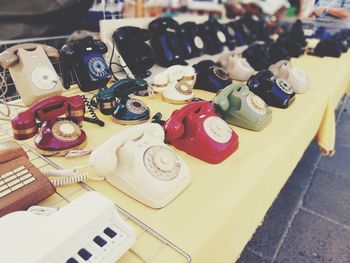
[158, 247]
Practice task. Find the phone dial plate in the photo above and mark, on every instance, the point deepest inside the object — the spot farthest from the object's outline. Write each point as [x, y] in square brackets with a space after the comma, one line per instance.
[217, 129]
[284, 86]
[97, 67]
[220, 73]
[256, 104]
[44, 78]
[162, 163]
[136, 106]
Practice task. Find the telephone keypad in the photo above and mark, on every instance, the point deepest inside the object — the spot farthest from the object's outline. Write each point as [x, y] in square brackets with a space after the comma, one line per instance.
[14, 180]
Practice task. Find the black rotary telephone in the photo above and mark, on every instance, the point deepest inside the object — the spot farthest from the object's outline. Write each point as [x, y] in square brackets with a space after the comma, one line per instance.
[167, 42]
[132, 47]
[194, 45]
[84, 58]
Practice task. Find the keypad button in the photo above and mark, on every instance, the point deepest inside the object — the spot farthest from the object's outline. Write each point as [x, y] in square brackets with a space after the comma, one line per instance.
[19, 169]
[17, 186]
[100, 241]
[28, 181]
[109, 232]
[72, 260]
[2, 182]
[25, 176]
[13, 182]
[2, 188]
[84, 254]
[21, 173]
[6, 192]
[8, 179]
[6, 175]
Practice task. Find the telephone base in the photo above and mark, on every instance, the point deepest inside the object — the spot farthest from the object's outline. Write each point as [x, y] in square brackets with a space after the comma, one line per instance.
[130, 122]
[61, 152]
[177, 102]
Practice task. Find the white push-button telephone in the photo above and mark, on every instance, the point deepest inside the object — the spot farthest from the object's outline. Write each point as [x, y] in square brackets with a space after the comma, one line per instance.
[87, 230]
[137, 162]
[176, 84]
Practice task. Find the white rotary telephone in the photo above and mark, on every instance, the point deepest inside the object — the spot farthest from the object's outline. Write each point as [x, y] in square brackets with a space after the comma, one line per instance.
[293, 75]
[176, 84]
[236, 66]
[137, 162]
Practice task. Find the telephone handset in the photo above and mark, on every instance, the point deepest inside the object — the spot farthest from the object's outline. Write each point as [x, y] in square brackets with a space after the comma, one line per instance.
[274, 91]
[237, 67]
[197, 130]
[84, 58]
[210, 77]
[21, 183]
[116, 101]
[293, 75]
[242, 108]
[176, 84]
[56, 136]
[137, 162]
[32, 72]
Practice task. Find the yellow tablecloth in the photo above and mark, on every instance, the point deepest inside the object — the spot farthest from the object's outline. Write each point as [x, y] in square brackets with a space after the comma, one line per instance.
[217, 214]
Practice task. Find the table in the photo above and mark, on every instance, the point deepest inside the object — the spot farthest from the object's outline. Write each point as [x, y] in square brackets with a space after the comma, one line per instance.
[217, 214]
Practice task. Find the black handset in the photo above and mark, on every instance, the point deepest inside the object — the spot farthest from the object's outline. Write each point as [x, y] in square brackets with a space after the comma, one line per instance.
[167, 42]
[131, 44]
[84, 58]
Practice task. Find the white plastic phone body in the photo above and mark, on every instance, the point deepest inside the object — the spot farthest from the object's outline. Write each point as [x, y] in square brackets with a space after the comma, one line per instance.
[137, 162]
[176, 84]
[237, 67]
[59, 236]
[293, 75]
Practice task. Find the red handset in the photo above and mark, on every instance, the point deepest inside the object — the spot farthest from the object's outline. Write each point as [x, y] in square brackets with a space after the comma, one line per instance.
[199, 131]
[56, 136]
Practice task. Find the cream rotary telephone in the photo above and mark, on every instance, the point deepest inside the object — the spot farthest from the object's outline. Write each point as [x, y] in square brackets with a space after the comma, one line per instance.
[137, 162]
[237, 67]
[175, 84]
[296, 77]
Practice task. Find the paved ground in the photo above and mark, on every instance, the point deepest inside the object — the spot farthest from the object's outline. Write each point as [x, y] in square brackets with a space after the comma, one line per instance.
[309, 222]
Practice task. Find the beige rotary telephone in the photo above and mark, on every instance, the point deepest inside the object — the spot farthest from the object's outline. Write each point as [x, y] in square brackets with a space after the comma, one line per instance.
[137, 162]
[176, 84]
[236, 66]
[32, 72]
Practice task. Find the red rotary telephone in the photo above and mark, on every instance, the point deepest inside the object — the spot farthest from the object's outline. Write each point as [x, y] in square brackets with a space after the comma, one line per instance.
[199, 131]
[56, 136]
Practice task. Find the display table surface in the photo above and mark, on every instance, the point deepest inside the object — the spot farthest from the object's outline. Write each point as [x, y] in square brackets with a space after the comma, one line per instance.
[214, 218]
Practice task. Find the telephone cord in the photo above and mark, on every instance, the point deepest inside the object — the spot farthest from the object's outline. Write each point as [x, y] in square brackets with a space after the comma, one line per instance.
[94, 119]
[3, 92]
[114, 63]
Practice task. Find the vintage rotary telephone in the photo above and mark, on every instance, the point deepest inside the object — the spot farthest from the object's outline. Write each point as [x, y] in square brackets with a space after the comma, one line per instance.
[175, 84]
[236, 66]
[32, 72]
[115, 101]
[84, 58]
[167, 42]
[210, 77]
[137, 162]
[213, 35]
[275, 92]
[56, 136]
[194, 45]
[197, 130]
[242, 108]
[296, 77]
[132, 47]
[231, 41]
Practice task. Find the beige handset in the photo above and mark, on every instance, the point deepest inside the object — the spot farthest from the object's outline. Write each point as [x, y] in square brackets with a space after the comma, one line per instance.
[32, 72]
[137, 162]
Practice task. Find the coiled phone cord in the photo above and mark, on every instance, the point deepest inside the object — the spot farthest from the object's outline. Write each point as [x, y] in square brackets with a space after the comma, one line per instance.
[3, 91]
[94, 118]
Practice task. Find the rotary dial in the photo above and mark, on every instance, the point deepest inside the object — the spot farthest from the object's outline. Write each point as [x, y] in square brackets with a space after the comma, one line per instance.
[183, 89]
[66, 131]
[257, 104]
[97, 67]
[217, 129]
[44, 78]
[220, 73]
[136, 106]
[284, 86]
[162, 163]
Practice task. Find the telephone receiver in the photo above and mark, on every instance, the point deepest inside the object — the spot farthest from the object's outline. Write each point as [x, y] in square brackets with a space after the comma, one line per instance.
[210, 77]
[84, 58]
[115, 101]
[56, 136]
[137, 162]
[237, 67]
[197, 130]
[32, 72]
[274, 91]
[131, 44]
[167, 42]
[294, 76]
[242, 108]
[176, 84]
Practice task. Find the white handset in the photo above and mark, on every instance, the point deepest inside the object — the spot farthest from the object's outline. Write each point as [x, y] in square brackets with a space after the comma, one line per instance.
[293, 75]
[237, 67]
[137, 162]
[176, 84]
